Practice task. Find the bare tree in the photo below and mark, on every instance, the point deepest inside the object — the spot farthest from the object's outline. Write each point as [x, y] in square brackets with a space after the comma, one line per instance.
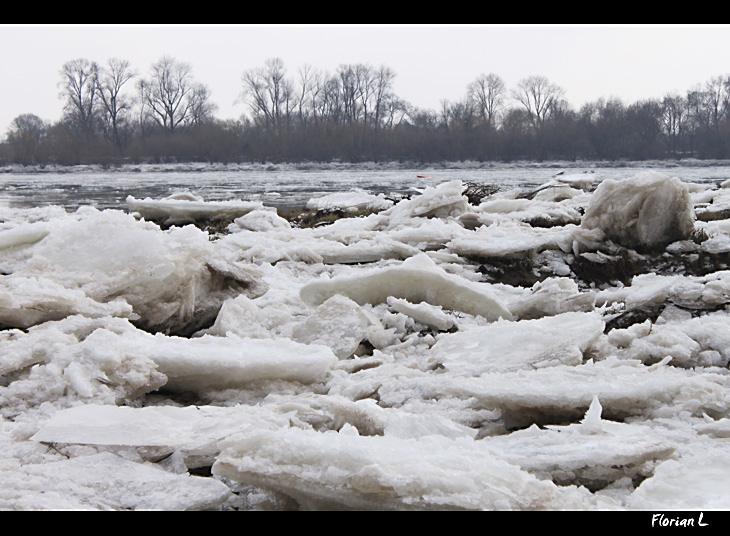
[200, 106]
[329, 99]
[308, 86]
[539, 97]
[170, 95]
[79, 88]
[386, 104]
[674, 109]
[268, 92]
[487, 94]
[109, 82]
[717, 91]
[350, 81]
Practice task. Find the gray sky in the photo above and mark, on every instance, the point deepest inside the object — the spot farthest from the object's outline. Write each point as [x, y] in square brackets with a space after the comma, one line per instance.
[432, 62]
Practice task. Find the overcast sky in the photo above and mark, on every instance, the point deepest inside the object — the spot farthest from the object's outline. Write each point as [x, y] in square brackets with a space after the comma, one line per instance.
[432, 62]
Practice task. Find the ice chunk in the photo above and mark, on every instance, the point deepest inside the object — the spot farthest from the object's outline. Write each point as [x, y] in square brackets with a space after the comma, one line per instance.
[651, 290]
[241, 316]
[187, 208]
[430, 315]
[324, 470]
[442, 201]
[193, 431]
[23, 235]
[76, 359]
[352, 201]
[259, 220]
[106, 481]
[27, 301]
[209, 363]
[339, 323]
[306, 245]
[173, 280]
[625, 388]
[582, 181]
[517, 239]
[717, 244]
[507, 346]
[553, 296]
[703, 341]
[417, 280]
[645, 211]
[593, 453]
[698, 480]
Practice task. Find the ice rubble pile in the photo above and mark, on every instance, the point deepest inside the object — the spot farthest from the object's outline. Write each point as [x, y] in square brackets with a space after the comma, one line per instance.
[565, 348]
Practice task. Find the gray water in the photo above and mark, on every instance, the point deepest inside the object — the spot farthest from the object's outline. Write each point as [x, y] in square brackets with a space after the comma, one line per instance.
[291, 186]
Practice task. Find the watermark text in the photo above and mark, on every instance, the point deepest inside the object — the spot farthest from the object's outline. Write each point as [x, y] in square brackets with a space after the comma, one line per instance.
[661, 520]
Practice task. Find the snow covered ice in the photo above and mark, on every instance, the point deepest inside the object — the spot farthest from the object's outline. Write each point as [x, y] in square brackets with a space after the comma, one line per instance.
[563, 348]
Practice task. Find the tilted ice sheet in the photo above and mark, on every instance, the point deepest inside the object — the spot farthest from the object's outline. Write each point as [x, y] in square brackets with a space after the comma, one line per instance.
[209, 362]
[506, 346]
[595, 452]
[699, 480]
[342, 469]
[170, 279]
[417, 280]
[194, 431]
[105, 481]
[188, 208]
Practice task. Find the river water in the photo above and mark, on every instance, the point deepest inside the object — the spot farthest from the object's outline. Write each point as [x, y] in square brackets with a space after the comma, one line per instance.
[291, 186]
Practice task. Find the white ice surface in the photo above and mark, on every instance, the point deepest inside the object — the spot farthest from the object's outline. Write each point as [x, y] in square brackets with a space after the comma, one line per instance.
[366, 363]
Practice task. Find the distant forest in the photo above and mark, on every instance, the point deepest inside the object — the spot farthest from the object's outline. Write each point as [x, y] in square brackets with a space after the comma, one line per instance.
[114, 115]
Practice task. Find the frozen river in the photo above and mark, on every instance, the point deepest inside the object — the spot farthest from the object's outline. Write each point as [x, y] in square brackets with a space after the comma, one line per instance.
[291, 186]
[438, 354]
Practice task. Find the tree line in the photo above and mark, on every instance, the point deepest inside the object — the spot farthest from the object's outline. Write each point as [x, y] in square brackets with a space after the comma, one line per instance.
[112, 114]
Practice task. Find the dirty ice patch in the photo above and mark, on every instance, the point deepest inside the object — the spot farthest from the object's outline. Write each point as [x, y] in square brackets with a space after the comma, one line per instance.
[645, 211]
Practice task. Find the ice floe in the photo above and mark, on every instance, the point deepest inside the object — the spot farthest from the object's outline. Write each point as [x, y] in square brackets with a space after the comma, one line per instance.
[564, 347]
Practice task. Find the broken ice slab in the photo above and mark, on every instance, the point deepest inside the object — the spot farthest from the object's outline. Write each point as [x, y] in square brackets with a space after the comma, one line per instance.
[593, 453]
[339, 323]
[424, 313]
[698, 479]
[187, 208]
[28, 301]
[172, 280]
[336, 470]
[105, 481]
[507, 346]
[563, 393]
[418, 279]
[515, 239]
[156, 431]
[210, 363]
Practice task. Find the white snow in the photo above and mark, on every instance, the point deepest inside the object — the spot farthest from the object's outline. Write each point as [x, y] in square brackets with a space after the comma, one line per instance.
[433, 354]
